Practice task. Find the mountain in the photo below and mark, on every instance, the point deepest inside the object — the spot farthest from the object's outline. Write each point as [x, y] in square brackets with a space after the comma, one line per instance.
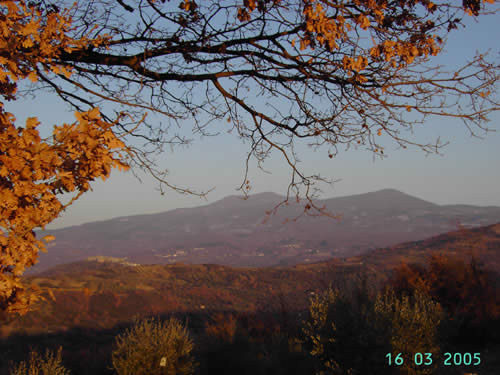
[103, 292]
[237, 232]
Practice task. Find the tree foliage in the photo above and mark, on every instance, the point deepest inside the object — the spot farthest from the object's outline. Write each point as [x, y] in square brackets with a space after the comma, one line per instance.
[466, 291]
[154, 347]
[34, 172]
[413, 326]
[37, 364]
[353, 335]
[329, 74]
[344, 335]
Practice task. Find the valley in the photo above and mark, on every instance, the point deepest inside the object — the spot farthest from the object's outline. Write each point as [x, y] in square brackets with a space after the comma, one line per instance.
[104, 291]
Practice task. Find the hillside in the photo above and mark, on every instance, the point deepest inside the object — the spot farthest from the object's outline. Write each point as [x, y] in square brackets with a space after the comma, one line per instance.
[482, 243]
[234, 231]
[103, 292]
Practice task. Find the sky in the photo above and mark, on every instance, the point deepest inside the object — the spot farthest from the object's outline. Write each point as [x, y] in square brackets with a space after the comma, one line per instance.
[466, 172]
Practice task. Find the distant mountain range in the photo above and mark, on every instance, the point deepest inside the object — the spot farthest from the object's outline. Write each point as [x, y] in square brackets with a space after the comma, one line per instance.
[233, 231]
[103, 292]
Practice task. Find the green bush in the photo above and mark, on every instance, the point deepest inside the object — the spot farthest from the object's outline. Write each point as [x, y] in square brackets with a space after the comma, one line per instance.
[38, 365]
[153, 347]
[413, 324]
[342, 336]
[353, 334]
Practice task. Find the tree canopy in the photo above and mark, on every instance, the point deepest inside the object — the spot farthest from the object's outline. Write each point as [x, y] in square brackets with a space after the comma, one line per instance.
[276, 72]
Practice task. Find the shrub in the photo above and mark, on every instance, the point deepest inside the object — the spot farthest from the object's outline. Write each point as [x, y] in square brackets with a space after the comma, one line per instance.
[39, 365]
[413, 325]
[154, 347]
[342, 335]
[352, 335]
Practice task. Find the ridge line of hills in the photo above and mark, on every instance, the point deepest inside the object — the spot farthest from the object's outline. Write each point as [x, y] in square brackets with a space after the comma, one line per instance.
[234, 232]
[272, 196]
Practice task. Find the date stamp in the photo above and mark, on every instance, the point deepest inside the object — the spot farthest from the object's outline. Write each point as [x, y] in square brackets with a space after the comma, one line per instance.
[425, 359]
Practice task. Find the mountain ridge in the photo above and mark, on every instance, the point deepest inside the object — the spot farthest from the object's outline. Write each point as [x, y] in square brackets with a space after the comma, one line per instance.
[240, 198]
[233, 231]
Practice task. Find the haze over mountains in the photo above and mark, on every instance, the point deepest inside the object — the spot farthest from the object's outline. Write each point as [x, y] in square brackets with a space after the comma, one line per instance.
[233, 231]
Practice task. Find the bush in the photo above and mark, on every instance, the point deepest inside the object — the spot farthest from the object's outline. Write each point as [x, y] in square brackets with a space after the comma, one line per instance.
[38, 365]
[413, 324]
[353, 334]
[154, 347]
[342, 335]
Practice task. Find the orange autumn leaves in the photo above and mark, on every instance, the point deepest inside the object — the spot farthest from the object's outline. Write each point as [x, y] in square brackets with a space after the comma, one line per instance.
[370, 16]
[330, 25]
[34, 172]
[464, 289]
[33, 41]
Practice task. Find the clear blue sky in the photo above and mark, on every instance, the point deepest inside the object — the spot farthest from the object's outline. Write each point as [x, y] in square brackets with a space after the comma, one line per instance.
[468, 172]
